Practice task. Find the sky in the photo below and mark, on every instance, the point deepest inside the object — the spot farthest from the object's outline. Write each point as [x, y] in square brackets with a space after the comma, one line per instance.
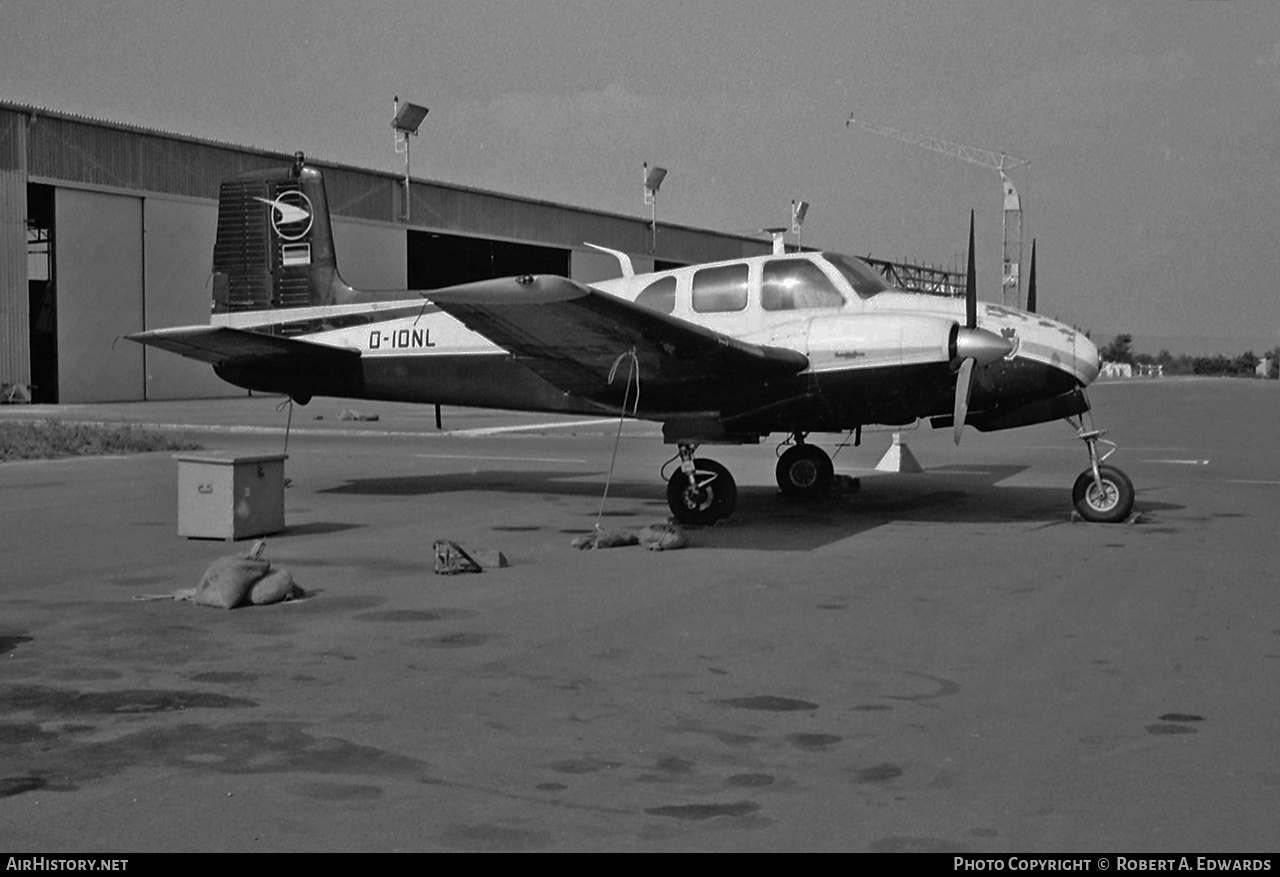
[1152, 128]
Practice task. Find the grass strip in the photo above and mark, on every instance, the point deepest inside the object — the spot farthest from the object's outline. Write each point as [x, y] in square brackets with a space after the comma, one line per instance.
[52, 439]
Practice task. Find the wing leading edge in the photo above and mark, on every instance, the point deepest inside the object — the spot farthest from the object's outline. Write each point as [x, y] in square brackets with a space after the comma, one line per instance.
[572, 335]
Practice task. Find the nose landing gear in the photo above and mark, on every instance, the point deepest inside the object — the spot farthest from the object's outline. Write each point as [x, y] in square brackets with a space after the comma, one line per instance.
[1101, 494]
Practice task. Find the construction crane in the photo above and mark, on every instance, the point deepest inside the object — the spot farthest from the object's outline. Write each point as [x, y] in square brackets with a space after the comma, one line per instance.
[1002, 162]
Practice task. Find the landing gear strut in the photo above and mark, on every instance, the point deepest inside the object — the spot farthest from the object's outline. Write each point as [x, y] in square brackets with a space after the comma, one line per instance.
[1102, 494]
[701, 491]
[804, 471]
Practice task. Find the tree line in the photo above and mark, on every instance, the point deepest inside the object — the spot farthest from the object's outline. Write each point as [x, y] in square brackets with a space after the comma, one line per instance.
[1245, 365]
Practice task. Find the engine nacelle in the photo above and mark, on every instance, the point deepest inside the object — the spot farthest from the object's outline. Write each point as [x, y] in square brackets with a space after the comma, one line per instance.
[843, 341]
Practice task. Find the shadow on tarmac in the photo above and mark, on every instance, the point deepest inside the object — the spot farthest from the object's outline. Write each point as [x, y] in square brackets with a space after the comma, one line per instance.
[767, 520]
[319, 528]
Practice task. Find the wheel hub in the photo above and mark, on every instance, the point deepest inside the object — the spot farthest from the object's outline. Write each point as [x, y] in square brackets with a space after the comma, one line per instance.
[1103, 499]
[697, 498]
[803, 473]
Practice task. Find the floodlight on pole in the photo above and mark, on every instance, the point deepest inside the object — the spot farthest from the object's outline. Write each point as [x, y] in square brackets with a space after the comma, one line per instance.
[653, 177]
[408, 118]
[798, 211]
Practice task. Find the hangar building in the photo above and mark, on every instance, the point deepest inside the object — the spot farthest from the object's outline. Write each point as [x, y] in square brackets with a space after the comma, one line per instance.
[108, 229]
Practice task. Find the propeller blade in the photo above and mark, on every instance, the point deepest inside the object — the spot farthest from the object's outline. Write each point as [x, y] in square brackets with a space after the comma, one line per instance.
[964, 383]
[971, 286]
[1031, 280]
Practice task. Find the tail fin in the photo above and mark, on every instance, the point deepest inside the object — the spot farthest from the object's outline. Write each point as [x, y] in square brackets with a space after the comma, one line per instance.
[275, 242]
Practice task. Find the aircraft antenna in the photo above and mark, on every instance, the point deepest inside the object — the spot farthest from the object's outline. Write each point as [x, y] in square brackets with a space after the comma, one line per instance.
[1001, 162]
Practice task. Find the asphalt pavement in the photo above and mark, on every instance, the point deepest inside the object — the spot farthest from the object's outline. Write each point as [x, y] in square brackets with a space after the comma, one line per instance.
[933, 662]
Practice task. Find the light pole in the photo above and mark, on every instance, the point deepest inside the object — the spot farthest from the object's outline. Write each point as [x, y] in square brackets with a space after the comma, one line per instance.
[653, 177]
[407, 119]
[798, 211]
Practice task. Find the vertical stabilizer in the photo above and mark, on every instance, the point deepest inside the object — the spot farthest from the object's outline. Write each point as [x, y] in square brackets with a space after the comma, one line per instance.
[275, 243]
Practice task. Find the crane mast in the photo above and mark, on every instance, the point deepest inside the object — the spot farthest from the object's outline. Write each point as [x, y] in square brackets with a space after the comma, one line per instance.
[1001, 162]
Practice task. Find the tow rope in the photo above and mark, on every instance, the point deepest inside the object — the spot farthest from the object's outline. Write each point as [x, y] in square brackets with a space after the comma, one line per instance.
[287, 403]
[633, 372]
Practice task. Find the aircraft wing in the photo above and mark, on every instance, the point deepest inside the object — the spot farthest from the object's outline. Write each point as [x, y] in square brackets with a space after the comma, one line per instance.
[218, 345]
[571, 335]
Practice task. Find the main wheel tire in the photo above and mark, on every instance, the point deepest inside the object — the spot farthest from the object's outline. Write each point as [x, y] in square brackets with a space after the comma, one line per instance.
[711, 500]
[1111, 504]
[805, 471]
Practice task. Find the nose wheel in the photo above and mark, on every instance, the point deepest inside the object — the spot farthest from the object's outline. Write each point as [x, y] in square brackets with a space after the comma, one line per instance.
[1101, 494]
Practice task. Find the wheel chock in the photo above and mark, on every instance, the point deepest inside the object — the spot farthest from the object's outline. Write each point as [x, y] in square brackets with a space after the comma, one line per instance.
[451, 559]
[488, 558]
[899, 458]
[1134, 518]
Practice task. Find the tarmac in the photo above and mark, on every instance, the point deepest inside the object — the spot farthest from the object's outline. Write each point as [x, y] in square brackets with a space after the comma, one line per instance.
[937, 662]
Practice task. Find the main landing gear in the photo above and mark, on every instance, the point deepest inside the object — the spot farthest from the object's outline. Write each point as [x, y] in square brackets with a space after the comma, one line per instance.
[701, 491]
[1102, 494]
[804, 471]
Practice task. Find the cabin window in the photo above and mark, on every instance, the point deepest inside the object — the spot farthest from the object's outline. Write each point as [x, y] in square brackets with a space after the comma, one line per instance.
[659, 296]
[722, 289]
[796, 284]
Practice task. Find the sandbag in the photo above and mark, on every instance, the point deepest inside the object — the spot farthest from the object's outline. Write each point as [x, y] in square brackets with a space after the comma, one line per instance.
[604, 539]
[228, 580]
[663, 537]
[275, 586]
[242, 580]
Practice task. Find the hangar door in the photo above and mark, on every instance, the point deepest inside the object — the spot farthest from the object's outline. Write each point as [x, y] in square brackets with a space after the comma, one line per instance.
[98, 275]
[438, 260]
[178, 252]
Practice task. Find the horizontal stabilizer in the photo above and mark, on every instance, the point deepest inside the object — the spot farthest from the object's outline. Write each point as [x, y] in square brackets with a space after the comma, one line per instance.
[572, 335]
[221, 345]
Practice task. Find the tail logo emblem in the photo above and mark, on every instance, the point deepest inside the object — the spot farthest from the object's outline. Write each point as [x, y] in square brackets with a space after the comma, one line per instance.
[290, 215]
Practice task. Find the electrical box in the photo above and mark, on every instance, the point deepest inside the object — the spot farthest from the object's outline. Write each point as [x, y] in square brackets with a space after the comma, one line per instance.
[230, 497]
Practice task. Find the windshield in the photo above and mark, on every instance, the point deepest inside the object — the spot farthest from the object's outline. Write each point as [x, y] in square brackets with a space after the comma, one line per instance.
[861, 276]
[796, 284]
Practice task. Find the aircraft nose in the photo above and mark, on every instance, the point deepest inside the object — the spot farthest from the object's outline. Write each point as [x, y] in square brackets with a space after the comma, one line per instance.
[1087, 364]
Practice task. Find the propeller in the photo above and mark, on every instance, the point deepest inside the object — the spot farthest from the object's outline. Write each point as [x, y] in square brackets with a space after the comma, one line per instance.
[971, 285]
[1031, 281]
[972, 346]
[964, 379]
[964, 385]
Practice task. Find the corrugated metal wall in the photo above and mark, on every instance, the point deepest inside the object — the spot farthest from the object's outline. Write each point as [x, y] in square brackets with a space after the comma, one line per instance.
[77, 151]
[15, 320]
[100, 154]
[108, 279]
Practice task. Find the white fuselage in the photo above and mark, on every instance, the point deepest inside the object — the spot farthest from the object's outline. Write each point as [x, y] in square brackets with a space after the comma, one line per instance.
[853, 322]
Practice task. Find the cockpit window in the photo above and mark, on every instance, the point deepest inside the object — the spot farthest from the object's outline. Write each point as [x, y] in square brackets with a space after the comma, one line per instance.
[660, 295]
[720, 289]
[865, 281]
[796, 284]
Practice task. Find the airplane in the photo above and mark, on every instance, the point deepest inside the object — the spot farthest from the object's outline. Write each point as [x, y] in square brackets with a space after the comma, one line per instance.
[726, 353]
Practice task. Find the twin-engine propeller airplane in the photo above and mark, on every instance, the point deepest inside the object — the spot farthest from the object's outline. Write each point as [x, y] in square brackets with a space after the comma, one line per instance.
[727, 352]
